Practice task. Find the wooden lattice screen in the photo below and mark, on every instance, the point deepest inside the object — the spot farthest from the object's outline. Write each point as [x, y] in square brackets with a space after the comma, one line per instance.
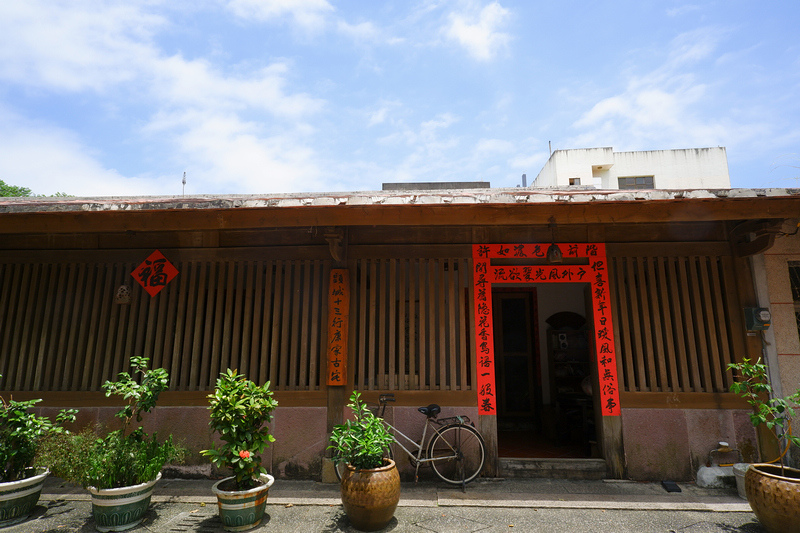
[60, 328]
[674, 319]
[410, 329]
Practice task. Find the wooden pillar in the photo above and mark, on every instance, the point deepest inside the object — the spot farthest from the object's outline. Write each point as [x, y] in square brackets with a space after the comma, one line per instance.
[608, 428]
[487, 425]
[337, 394]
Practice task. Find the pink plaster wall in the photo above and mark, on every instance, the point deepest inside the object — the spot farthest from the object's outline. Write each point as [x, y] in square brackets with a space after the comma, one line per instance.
[671, 444]
[299, 432]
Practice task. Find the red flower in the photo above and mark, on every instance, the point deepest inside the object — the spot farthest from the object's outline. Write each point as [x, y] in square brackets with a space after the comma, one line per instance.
[244, 454]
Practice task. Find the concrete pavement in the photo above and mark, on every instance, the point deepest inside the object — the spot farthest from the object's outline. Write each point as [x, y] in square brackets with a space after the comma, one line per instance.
[549, 505]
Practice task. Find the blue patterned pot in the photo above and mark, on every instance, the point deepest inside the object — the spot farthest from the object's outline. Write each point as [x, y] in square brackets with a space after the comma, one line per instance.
[18, 498]
[242, 510]
[123, 508]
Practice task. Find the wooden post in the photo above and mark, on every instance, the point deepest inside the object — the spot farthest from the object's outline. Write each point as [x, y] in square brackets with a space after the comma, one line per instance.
[487, 424]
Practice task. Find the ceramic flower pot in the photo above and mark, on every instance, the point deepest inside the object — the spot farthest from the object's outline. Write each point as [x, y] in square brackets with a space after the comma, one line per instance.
[370, 497]
[122, 508]
[18, 498]
[774, 498]
[242, 510]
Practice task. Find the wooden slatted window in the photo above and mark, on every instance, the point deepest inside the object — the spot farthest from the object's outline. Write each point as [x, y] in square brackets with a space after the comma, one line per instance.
[794, 281]
[62, 330]
[673, 322]
[410, 329]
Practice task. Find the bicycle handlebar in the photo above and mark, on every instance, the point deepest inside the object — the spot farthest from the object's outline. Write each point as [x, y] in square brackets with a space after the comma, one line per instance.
[387, 398]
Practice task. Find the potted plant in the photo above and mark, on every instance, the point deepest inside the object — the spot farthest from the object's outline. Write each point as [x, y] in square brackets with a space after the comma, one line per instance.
[773, 491]
[240, 412]
[121, 467]
[20, 435]
[370, 483]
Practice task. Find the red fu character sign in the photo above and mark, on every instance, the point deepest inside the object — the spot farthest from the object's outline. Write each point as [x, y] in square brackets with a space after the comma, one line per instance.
[154, 273]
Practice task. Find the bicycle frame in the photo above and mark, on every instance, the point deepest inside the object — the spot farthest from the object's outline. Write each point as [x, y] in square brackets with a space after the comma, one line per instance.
[417, 459]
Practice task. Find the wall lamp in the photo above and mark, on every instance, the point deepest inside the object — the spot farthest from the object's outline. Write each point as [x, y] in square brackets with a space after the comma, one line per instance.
[554, 254]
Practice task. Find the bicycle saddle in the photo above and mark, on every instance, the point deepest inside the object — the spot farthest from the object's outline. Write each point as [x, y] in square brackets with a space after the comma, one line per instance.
[431, 411]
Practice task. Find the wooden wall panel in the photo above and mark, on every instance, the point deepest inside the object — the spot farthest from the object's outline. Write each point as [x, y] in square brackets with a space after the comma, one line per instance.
[61, 329]
[673, 316]
[413, 327]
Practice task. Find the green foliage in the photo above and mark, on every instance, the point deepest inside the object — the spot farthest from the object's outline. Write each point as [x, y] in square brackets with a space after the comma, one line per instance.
[13, 190]
[774, 413]
[120, 458]
[108, 462]
[240, 410]
[141, 397]
[21, 433]
[361, 443]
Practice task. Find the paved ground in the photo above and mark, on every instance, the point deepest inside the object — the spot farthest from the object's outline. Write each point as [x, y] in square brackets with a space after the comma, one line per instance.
[487, 506]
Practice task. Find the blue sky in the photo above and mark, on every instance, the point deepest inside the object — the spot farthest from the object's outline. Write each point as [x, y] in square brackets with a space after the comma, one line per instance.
[117, 98]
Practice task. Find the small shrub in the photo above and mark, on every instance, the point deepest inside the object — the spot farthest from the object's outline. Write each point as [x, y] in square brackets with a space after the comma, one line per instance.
[123, 457]
[21, 433]
[240, 412]
[363, 442]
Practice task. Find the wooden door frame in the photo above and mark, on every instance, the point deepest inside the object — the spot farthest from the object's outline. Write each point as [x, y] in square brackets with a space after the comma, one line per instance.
[523, 264]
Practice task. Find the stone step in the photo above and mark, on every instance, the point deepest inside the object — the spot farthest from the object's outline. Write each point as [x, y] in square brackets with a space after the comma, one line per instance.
[553, 468]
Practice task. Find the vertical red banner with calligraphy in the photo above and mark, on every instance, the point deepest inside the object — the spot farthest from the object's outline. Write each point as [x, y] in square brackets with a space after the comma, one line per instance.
[595, 273]
[604, 336]
[338, 324]
[484, 337]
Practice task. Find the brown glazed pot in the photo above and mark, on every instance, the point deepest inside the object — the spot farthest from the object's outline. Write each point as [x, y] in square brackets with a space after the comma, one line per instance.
[775, 499]
[370, 496]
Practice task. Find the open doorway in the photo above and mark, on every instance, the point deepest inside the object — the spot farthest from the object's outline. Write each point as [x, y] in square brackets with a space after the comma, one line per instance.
[543, 372]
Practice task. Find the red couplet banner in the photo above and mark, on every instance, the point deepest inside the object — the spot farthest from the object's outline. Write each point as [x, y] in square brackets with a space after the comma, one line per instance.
[595, 272]
[338, 319]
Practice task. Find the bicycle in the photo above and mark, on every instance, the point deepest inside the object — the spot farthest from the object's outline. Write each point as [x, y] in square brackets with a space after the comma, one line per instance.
[455, 451]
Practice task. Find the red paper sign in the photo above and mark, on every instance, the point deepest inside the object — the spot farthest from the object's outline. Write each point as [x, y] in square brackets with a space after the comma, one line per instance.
[338, 319]
[595, 273]
[154, 273]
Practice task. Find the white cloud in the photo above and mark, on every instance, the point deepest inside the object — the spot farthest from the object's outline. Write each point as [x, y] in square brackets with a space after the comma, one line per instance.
[479, 32]
[47, 160]
[228, 153]
[682, 10]
[363, 31]
[74, 45]
[378, 117]
[80, 47]
[664, 108]
[185, 83]
[308, 14]
[494, 146]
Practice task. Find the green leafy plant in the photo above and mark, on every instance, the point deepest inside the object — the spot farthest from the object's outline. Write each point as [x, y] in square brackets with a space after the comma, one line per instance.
[362, 442]
[21, 433]
[775, 413]
[240, 412]
[123, 457]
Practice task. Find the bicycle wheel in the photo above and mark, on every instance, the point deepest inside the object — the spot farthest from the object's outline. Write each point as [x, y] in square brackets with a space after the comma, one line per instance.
[341, 466]
[458, 453]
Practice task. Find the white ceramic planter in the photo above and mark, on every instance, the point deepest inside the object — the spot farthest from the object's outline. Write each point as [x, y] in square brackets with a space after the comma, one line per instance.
[123, 508]
[18, 498]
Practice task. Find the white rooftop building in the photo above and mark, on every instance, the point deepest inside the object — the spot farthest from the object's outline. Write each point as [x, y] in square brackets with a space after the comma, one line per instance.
[603, 168]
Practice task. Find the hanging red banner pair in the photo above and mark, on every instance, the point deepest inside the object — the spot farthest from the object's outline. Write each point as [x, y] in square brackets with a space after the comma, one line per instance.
[595, 272]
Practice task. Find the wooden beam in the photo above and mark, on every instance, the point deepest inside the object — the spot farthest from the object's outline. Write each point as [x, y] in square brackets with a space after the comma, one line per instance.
[574, 212]
[681, 400]
[166, 399]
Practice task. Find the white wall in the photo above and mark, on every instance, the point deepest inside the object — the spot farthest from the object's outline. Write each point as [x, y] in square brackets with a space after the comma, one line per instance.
[693, 168]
